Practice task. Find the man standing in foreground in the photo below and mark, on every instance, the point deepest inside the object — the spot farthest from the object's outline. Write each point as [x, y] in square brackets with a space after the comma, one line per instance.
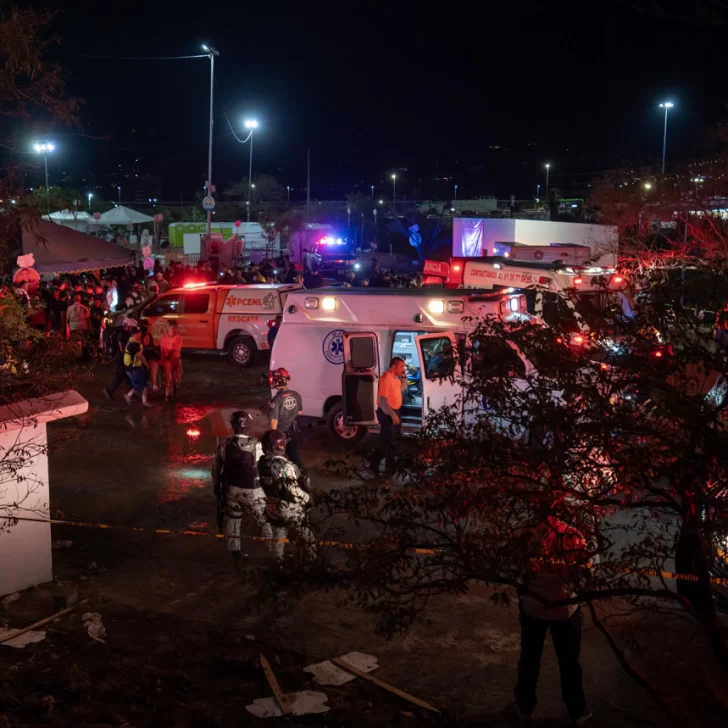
[564, 544]
[236, 482]
[389, 401]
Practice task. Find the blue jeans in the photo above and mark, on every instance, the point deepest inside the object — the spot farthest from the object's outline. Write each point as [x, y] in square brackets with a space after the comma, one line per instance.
[566, 636]
[138, 378]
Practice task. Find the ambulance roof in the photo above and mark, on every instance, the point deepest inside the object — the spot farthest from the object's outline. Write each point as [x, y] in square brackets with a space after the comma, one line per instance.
[231, 286]
[428, 292]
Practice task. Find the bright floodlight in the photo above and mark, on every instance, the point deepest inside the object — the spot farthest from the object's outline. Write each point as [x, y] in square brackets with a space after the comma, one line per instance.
[548, 165]
[648, 186]
[44, 147]
[394, 176]
[667, 105]
[205, 48]
[251, 124]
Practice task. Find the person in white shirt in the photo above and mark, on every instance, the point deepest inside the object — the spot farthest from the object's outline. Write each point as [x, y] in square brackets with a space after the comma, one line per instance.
[78, 316]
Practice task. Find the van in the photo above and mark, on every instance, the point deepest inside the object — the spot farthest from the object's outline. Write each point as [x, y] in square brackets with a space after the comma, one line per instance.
[230, 318]
[337, 342]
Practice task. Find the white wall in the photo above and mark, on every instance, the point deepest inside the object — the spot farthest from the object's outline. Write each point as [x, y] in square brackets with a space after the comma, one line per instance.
[602, 239]
[25, 549]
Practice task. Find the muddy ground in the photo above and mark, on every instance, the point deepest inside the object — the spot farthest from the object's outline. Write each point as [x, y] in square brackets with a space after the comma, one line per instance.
[183, 644]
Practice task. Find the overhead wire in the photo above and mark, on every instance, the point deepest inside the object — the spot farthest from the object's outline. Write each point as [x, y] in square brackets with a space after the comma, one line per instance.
[134, 58]
[237, 138]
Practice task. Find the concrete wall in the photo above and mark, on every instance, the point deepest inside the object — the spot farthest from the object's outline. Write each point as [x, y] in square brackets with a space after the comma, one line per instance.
[25, 549]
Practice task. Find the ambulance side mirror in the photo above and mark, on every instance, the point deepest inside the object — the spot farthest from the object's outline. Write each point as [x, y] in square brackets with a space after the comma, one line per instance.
[292, 308]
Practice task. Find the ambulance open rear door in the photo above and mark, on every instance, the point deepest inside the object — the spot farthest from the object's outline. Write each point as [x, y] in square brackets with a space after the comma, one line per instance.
[437, 353]
[360, 378]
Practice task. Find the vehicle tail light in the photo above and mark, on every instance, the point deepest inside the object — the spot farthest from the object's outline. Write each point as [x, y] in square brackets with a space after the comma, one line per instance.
[657, 354]
[617, 279]
[578, 281]
[578, 340]
[193, 433]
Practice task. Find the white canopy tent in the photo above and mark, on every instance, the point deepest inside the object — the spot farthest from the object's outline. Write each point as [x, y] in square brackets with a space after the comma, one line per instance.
[66, 216]
[121, 215]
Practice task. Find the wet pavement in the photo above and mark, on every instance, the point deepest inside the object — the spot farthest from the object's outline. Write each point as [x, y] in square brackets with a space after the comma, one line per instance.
[132, 466]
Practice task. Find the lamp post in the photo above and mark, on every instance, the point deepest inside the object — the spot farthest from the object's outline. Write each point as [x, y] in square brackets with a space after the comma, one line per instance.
[665, 105]
[211, 54]
[118, 189]
[288, 195]
[538, 192]
[548, 167]
[251, 125]
[394, 193]
[456, 193]
[43, 148]
[372, 186]
[90, 195]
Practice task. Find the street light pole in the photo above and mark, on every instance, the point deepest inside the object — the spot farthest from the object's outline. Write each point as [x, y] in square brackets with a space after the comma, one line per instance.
[456, 193]
[118, 189]
[548, 167]
[251, 125]
[288, 195]
[372, 186]
[211, 53]
[45, 147]
[665, 105]
[394, 193]
[538, 192]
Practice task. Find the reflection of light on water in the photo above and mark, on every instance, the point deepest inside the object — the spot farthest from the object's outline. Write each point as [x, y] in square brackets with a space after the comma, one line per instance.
[183, 483]
[191, 413]
[198, 525]
[193, 433]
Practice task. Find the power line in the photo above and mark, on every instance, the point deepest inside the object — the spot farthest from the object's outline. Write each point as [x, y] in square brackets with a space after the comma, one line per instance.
[237, 139]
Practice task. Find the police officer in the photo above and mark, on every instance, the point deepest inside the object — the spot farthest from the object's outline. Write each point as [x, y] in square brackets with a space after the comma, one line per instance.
[236, 482]
[287, 493]
[284, 409]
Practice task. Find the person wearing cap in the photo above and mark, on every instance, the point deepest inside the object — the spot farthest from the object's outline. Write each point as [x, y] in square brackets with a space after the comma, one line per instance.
[170, 349]
[236, 483]
[285, 407]
[288, 495]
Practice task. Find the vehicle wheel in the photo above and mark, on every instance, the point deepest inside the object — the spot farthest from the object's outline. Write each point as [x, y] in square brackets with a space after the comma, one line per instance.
[241, 351]
[349, 435]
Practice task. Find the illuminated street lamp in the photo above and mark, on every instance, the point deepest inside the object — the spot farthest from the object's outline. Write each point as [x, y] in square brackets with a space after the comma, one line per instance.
[251, 125]
[456, 193]
[372, 186]
[288, 193]
[665, 105]
[394, 193]
[648, 186]
[90, 195]
[43, 148]
[548, 167]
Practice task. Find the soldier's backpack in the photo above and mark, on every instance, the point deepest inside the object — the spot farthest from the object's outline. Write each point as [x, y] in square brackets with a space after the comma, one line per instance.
[241, 469]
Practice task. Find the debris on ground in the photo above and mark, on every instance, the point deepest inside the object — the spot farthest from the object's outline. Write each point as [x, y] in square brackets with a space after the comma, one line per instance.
[94, 626]
[326, 673]
[9, 599]
[386, 686]
[62, 601]
[22, 640]
[304, 702]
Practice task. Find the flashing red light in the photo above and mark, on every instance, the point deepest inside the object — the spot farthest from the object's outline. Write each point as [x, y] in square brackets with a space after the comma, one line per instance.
[559, 340]
[542, 281]
[617, 279]
[456, 268]
[657, 354]
[578, 281]
[193, 285]
[193, 433]
[578, 340]
[604, 367]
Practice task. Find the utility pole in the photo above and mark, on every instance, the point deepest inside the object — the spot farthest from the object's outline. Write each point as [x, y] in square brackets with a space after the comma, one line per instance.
[211, 54]
[308, 184]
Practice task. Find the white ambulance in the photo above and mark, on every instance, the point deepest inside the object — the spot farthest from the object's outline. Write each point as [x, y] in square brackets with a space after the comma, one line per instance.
[228, 318]
[337, 342]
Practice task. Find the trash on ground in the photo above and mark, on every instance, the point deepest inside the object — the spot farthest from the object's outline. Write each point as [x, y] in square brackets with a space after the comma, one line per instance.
[9, 599]
[22, 640]
[305, 702]
[326, 673]
[94, 626]
[386, 686]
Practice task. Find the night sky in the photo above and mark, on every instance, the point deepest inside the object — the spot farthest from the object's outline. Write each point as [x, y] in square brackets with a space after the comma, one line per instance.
[482, 94]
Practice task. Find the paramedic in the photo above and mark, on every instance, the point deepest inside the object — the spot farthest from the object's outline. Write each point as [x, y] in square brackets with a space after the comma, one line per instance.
[389, 401]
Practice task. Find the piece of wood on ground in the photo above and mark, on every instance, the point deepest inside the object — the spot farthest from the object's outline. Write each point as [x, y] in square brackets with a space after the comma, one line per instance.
[281, 699]
[386, 686]
[43, 621]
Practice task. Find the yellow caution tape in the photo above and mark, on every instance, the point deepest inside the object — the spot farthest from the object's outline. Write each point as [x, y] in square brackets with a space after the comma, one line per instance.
[716, 580]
